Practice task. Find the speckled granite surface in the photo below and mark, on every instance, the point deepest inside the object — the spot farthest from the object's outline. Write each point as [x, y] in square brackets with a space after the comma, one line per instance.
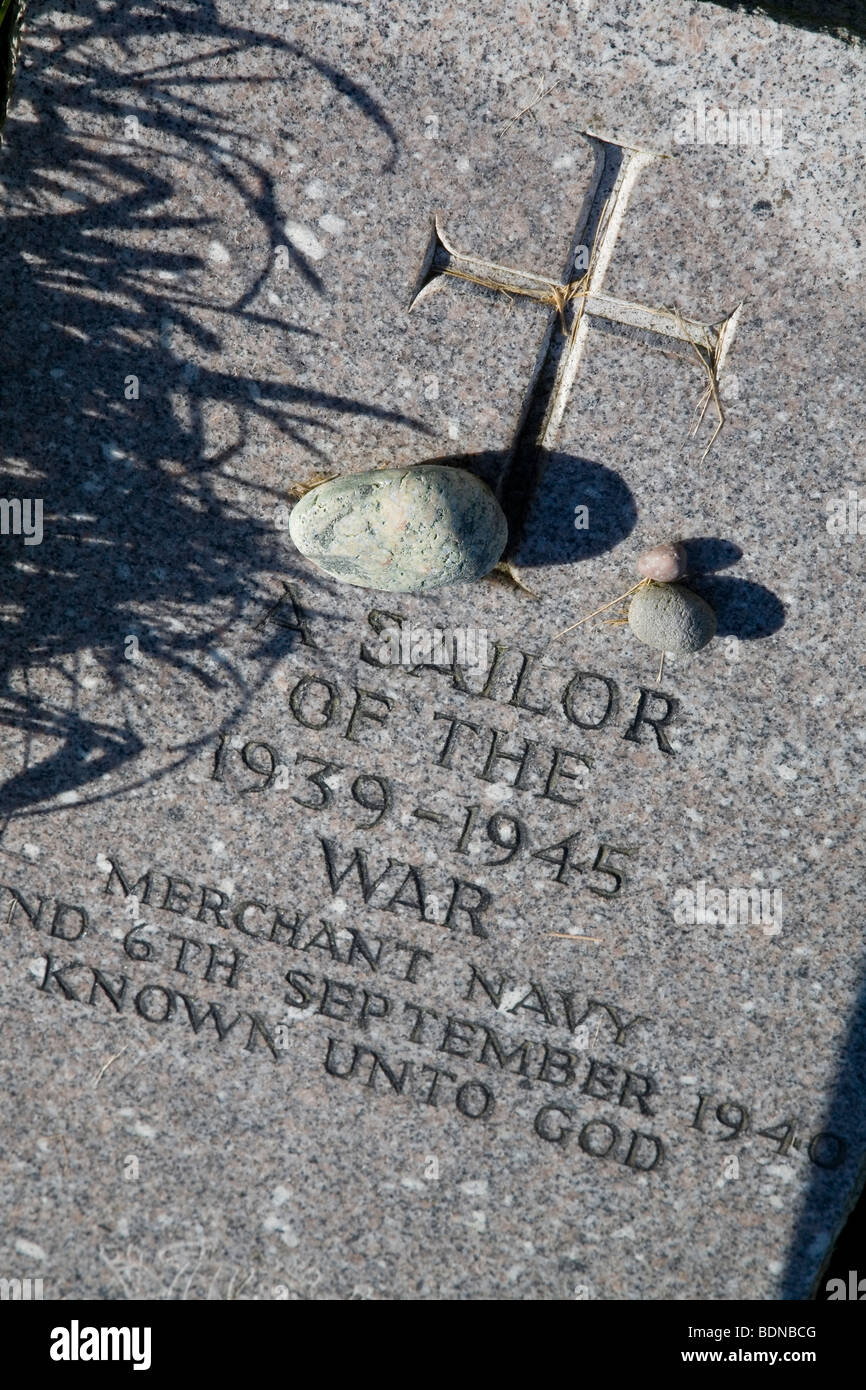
[225, 1073]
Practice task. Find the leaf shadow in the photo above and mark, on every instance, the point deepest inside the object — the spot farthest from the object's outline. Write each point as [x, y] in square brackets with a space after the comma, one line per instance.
[114, 365]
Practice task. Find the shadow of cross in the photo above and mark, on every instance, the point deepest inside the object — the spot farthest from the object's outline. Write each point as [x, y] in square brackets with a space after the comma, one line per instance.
[573, 306]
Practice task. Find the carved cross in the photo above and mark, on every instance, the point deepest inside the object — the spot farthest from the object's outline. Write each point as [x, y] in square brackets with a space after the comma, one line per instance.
[574, 305]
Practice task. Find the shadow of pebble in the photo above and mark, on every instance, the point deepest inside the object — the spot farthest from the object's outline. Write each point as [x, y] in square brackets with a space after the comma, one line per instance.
[707, 553]
[744, 609]
[553, 534]
[550, 535]
[844, 19]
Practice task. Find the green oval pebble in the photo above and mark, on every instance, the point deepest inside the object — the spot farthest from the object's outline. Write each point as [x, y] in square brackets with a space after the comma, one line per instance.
[671, 618]
[401, 529]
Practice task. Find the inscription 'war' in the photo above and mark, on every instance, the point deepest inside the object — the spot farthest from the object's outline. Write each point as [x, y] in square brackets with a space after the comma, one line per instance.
[400, 885]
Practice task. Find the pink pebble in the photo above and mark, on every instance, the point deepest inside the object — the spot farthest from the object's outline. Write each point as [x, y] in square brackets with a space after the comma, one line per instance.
[664, 563]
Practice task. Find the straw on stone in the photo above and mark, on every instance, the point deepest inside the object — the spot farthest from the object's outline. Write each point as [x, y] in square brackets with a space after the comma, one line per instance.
[572, 936]
[557, 296]
[104, 1068]
[297, 490]
[539, 96]
[634, 588]
[709, 361]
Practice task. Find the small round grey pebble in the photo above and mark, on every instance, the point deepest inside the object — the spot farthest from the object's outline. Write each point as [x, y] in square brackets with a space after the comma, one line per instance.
[401, 529]
[664, 563]
[671, 618]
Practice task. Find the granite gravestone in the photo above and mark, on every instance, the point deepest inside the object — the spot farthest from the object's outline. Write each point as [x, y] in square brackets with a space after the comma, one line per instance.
[364, 945]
